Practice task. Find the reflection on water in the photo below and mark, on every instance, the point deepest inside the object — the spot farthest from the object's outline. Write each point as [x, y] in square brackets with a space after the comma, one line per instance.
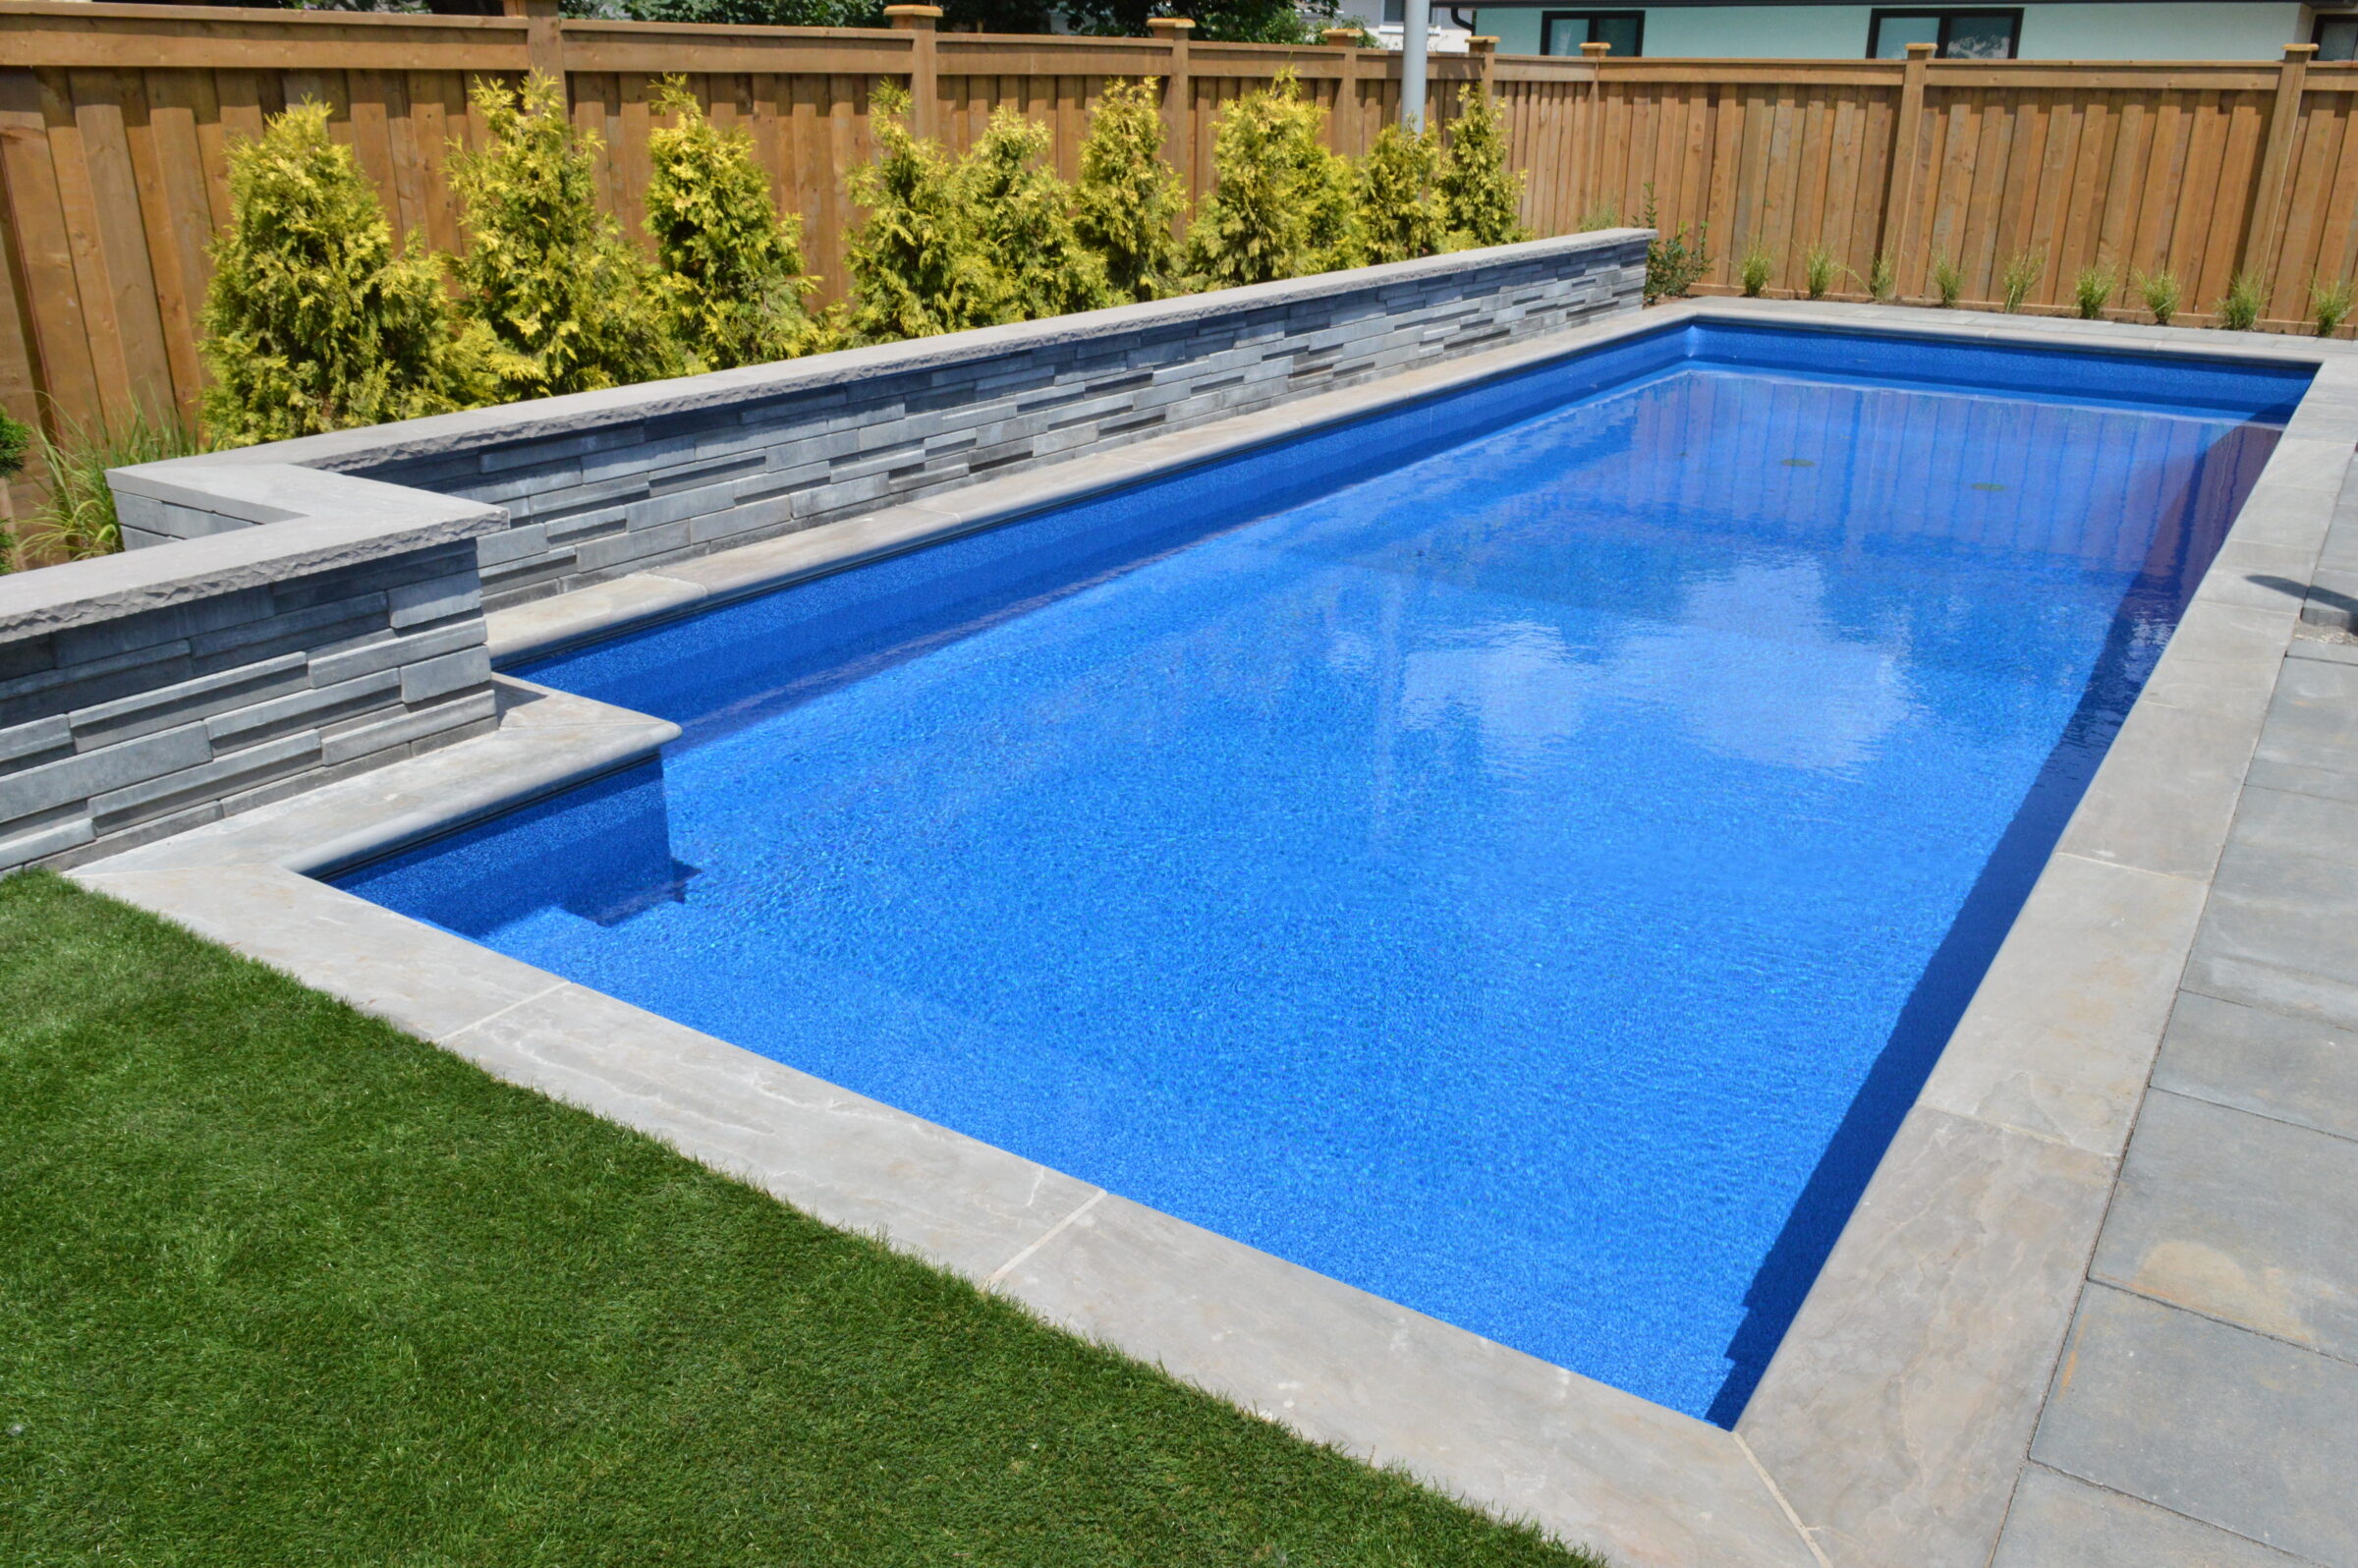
[1796, 693]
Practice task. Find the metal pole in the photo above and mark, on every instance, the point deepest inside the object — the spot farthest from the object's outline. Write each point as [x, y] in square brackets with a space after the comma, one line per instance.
[1415, 21]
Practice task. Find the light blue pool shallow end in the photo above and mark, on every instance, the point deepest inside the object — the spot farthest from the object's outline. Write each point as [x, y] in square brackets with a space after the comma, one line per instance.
[1518, 852]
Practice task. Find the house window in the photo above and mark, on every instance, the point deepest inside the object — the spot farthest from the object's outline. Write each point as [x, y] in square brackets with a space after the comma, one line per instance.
[1954, 35]
[2336, 37]
[1564, 32]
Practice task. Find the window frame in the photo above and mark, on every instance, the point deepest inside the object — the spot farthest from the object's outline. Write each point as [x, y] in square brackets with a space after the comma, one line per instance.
[1947, 16]
[1549, 18]
[2316, 28]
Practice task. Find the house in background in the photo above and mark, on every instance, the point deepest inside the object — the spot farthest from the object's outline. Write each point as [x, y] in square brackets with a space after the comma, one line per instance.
[1814, 30]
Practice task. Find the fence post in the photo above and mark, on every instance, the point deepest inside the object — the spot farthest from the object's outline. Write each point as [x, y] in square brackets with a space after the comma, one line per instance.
[1589, 166]
[925, 83]
[1485, 50]
[1904, 178]
[1178, 99]
[543, 37]
[1347, 127]
[2263, 240]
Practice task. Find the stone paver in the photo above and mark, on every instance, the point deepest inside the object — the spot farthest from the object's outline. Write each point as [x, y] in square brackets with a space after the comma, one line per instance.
[2207, 1420]
[2059, 1521]
[2239, 1217]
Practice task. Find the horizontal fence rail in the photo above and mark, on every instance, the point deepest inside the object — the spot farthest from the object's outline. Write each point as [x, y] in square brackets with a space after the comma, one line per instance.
[114, 125]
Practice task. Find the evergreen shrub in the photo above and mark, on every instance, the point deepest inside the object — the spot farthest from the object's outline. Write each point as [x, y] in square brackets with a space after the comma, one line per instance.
[1128, 202]
[731, 275]
[1284, 205]
[1019, 216]
[313, 321]
[1479, 196]
[556, 300]
[1399, 215]
[916, 267]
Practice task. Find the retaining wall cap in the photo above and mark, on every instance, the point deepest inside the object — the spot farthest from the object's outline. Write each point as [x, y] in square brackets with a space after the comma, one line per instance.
[579, 413]
[319, 522]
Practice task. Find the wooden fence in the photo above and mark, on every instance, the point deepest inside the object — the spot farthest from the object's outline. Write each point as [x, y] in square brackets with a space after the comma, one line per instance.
[114, 121]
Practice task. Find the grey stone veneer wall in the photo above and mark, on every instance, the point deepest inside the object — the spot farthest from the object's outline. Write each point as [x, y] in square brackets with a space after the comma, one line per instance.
[600, 485]
[144, 693]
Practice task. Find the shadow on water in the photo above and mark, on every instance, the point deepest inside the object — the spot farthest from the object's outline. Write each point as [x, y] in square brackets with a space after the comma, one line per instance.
[1942, 993]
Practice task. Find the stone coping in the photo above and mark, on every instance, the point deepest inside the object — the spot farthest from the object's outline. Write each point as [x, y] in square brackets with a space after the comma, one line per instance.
[1894, 1417]
[585, 414]
[319, 522]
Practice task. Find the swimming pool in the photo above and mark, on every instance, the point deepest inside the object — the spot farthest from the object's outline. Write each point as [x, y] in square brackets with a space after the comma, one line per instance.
[1518, 854]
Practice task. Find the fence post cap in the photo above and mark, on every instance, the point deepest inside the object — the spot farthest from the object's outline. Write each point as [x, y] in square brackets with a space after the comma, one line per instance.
[913, 17]
[1170, 23]
[1596, 51]
[2299, 53]
[1480, 43]
[1922, 51]
[1341, 37]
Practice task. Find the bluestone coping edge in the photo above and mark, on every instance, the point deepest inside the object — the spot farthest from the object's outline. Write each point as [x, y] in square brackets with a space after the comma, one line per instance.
[1894, 1419]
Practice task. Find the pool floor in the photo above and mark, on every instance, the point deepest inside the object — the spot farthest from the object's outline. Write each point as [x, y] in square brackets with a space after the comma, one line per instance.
[1529, 884]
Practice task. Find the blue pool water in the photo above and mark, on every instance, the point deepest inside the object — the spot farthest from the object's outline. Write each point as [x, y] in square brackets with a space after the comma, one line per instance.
[1519, 854]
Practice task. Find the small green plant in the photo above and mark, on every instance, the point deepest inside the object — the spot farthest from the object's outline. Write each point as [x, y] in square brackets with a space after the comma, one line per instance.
[1283, 205]
[1819, 270]
[1948, 283]
[77, 520]
[1882, 278]
[2093, 289]
[2328, 305]
[2238, 311]
[1129, 201]
[1673, 262]
[313, 321]
[2161, 293]
[1480, 199]
[1604, 215]
[2019, 276]
[1755, 270]
[16, 440]
[731, 276]
[556, 298]
[1398, 213]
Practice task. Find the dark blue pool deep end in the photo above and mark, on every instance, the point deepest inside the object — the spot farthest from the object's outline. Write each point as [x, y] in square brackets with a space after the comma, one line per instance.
[1520, 853]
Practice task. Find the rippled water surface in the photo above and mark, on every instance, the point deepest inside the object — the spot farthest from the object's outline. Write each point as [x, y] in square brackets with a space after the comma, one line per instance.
[1526, 877]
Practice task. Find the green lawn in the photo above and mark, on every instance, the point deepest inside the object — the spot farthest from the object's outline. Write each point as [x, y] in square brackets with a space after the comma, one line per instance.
[279, 1284]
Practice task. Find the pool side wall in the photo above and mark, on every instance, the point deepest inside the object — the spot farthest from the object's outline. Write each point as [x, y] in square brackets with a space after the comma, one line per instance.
[296, 613]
